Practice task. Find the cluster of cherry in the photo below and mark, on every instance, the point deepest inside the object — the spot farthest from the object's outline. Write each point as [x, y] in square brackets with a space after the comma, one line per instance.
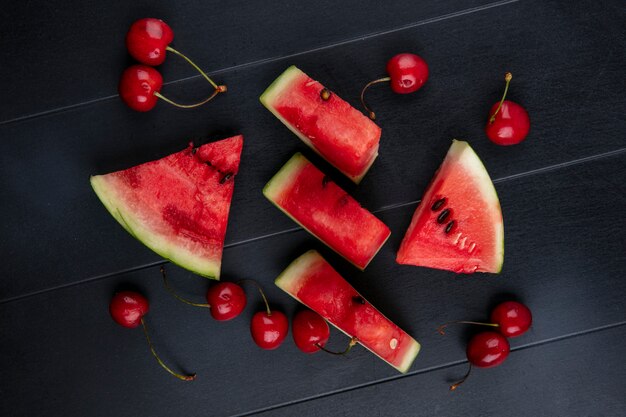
[225, 301]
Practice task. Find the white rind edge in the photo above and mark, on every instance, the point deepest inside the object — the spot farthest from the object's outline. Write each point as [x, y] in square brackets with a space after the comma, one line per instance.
[174, 253]
[274, 90]
[464, 153]
[288, 279]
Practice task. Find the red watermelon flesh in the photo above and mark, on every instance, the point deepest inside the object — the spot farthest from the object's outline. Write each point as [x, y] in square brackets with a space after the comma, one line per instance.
[319, 205]
[458, 224]
[332, 128]
[178, 205]
[313, 282]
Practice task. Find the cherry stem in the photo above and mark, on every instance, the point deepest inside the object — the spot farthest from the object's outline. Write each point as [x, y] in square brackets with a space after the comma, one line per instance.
[256, 284]
[443, 326]
[507, 77]
[220, 88]
[178, 297]
[163, 365]
[456, 384]
[353, 341]
[370, 113]
[187, 106]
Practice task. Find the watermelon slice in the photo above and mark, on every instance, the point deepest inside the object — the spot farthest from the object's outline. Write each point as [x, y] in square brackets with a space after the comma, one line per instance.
[317, 204]
[313, 282]
[332, 128]
[178, 205]
[458, 223]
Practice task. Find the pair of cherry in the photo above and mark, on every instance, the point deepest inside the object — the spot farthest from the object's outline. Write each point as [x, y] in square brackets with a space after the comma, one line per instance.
[508, 122]
[140, 85]
[225, 301]
[491, 348]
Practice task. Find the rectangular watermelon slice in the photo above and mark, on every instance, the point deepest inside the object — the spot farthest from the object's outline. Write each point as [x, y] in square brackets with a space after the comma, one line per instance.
[326, 211]
[458, 224]
[178, 205]
[313, 282]
[331, 127]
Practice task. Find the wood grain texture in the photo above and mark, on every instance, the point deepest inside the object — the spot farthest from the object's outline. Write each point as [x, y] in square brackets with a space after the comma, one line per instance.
[522, 386]
[562, 195]
[63, 54]
[569, 273]
[59, 226]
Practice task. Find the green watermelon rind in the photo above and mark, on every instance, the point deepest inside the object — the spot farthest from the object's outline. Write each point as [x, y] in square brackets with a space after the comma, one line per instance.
[288, 280]
[274, 90]
[282, 179]
[175, 254]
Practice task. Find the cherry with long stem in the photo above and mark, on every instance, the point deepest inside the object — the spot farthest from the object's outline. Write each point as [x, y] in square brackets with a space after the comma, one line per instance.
[127, 308]
[268, 328]
[508, 122]
[407, 73]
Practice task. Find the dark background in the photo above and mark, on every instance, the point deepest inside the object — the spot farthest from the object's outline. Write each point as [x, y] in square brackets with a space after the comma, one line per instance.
[562, 194]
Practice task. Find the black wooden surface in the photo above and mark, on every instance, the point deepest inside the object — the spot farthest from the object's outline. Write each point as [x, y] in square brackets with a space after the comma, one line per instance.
[561, 191]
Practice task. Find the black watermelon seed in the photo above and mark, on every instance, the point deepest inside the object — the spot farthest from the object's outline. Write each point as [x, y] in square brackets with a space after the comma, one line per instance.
[226, 178]
[450, 226]
[358, 299]
[325, 181]
[443, 216]
[438, 204]
[325, 94]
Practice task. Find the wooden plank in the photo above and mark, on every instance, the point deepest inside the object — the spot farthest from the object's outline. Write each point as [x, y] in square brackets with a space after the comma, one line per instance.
[572, 377]
[63, 55]
[55, 224]
[564, 258]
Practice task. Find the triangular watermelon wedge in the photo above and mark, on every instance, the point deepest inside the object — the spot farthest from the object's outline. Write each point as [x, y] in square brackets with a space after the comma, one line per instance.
[178, 205]
[458, 224]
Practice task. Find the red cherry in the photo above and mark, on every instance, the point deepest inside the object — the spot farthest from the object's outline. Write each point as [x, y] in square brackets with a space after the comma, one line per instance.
[508, 122]
[226, 300]
[309, 331]
[487, 349]
[139, 87]
[147, 40]
[127, 308]
[269, 329]
[513, 318]
[408, 73]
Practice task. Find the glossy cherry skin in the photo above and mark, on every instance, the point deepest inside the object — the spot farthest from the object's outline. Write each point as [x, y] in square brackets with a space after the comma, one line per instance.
[511, 125]
[138, 85]
[147, 40]
[308, 330]
[408, 73]
[269, 331]
[487, 349]
[512, 318]
[226, 300]
[128, 307]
